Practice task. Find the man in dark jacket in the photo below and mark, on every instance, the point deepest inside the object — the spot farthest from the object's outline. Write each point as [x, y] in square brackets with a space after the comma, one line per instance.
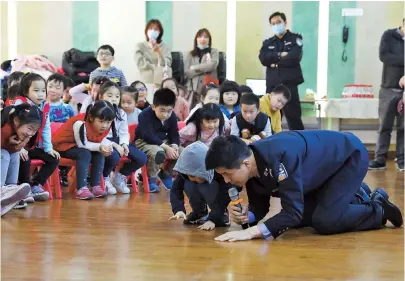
[316, 174]
[392, 56]
[281, 55]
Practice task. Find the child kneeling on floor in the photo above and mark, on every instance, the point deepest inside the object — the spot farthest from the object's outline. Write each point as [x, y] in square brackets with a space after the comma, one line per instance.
[84, 138]
[202, 188]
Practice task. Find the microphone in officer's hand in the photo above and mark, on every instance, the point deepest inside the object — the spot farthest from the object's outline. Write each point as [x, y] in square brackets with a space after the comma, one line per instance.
[234, 195]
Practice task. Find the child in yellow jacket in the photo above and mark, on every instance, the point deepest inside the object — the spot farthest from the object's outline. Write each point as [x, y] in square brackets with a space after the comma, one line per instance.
[272, 103]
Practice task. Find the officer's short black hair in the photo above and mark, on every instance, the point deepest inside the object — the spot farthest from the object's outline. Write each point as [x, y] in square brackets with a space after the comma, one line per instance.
[282, 90]
[282, 15]
[164, 97]
[226, 152]
[250, 99]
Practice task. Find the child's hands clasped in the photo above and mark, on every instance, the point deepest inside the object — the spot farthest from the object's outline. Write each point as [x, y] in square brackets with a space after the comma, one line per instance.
[126, 149]
[106, 150]
[54, 154]
[178, 215]
[14, 140]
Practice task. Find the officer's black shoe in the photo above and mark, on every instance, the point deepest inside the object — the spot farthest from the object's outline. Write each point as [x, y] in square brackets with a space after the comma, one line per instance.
[390, 211]
[160, 158]
[196, 218]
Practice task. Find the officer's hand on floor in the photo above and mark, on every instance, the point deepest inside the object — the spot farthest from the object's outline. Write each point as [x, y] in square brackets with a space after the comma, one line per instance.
[208, 225]
[237, 216]
[177, 216]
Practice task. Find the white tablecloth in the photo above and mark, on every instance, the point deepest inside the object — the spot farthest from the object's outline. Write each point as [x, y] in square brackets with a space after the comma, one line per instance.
[351, 108]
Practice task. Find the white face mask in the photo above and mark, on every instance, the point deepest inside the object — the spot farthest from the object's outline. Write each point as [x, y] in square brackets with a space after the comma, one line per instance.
[153, 34]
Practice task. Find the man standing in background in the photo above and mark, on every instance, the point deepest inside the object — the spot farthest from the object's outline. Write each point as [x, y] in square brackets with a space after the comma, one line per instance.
[392, 56]
[281, 55]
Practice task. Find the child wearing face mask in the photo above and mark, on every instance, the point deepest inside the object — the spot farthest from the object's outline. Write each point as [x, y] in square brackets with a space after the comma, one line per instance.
[204, 125]
[271, 105]
[250, 124]
[33, 92]
[142, 90]
[201, 63]
[181, 107]
[59, 111]
[229, 99]
[119, 136]
[153, 56]
[105, 57]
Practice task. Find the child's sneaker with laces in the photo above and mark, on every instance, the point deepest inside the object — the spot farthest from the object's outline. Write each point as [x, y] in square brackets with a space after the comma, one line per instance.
[39, 194]
[98, 192]
[166, 179]
[84, 194]
[109, 186]
[153, 187]
[120, 183]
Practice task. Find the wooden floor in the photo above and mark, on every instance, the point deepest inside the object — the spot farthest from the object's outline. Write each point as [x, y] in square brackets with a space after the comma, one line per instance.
[129, 238]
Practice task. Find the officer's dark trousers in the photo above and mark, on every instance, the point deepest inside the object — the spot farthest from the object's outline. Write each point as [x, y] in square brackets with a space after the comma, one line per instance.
[334, 207]
[292, 110]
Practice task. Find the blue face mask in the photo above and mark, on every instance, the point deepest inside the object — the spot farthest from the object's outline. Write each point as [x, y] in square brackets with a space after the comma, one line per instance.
[201, 47]
[278, 28]
[153, 34]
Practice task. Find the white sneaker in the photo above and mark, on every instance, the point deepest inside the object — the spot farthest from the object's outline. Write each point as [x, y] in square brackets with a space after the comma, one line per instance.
[120, 182]
[108, 185]
[11, 195]
[29, 198]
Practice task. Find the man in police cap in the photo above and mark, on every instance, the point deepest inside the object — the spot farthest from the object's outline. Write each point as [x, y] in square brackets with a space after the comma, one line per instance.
[318, 176]
[281, 54]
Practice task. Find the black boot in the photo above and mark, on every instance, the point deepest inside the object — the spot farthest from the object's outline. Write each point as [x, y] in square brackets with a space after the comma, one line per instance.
[390, 211]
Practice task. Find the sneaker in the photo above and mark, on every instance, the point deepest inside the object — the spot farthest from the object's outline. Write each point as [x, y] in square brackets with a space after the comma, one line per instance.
[29, 198]
[395, 160]
[377, 166]
[84, 194]
[400, 167]
[21, 205]
[11, 195]
[39, 194]
[390, 211]
[109, 186]
[160, 158]
[153, 187]
[166, 179]
[195, 218]
[98, 192]
[120, 182]
[138, 176]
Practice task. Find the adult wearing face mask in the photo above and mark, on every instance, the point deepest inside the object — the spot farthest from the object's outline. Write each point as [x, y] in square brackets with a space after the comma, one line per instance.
[200, 65]
[281, 55]
[153, 57]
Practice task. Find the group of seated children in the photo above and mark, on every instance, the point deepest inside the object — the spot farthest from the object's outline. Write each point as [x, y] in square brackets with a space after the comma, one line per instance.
[96, 136]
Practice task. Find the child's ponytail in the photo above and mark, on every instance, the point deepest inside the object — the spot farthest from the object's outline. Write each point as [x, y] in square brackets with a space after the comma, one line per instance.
[25, 113]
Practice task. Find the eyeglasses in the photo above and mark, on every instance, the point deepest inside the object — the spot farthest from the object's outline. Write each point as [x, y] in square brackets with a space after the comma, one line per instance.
[101, 54]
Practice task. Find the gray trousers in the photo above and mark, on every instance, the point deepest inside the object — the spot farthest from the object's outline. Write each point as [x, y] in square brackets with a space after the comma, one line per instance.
[10, 164]
[387, 111]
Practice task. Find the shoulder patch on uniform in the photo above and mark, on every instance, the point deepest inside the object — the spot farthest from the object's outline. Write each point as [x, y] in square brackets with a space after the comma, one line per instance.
[299, 41]
[282, 173]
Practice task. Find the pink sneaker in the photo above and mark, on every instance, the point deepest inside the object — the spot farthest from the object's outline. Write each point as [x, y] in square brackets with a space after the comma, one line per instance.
[98, 192]
[84, 194]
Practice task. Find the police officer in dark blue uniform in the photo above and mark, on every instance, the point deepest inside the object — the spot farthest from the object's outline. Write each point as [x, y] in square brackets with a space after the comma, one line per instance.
[318, 175]
[281, 55]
